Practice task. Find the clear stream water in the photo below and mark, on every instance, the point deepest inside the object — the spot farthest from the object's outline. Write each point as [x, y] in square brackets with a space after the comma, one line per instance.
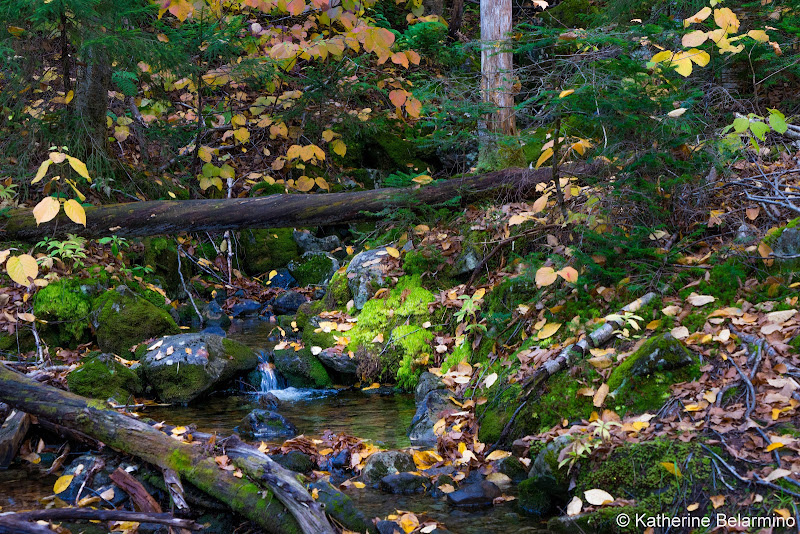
[382, 419]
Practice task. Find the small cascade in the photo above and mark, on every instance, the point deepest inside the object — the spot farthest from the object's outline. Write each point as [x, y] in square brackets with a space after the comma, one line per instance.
[269, 376]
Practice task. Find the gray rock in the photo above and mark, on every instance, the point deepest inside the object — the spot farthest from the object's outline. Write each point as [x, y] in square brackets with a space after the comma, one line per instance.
[216, 330]
[466, 262]
[366, 274]
[404, 483]
[545, 470]
[245, 308]
[427, 383]
[512, 468]
[264, 424]
[477, 495]
[338, 361]
[214, 315]
[431, 409]
[288, 302]
[186, 366]
[388, 527]
[310, 243]
[746, 234]
[283, 279]
[788, 243]
[385, 463]
[268, 400]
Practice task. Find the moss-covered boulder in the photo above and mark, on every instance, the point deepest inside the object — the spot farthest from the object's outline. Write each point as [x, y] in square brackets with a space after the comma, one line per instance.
[265, 424]
[384, 463]
[545, 471]
[341, 507]
[532, 499]
[301, 369]
[161, 254]
[122, 319]
[314, 268]
[102, 377]
[65, 305]
[641, 382]
[184, 367]
[338, 294]
[265, 250]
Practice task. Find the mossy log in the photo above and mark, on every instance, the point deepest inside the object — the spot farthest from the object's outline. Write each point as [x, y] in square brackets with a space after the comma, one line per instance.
[290, 512]
[139, 219]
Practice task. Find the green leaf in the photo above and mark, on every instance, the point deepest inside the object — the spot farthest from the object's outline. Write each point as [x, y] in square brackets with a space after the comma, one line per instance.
[741, 124]
[778, 122]
[759, 129]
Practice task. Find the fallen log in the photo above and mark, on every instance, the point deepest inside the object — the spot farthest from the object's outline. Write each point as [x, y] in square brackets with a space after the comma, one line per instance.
[12, 432]
[279, 504]
[88, 514]
[140, 219]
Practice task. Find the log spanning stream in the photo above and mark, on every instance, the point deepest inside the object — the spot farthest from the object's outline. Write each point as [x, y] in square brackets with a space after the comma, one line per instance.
[383, 419]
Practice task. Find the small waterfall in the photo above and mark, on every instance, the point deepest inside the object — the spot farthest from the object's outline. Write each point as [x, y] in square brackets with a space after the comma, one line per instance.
[269, 377]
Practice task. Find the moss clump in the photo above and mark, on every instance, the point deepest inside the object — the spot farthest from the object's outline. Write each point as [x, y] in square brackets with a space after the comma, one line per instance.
[570, 14]
[636, 471]
[161, 254]
[497, 412]
[65, 307]
[312, 270]
[398, 318]
[532, 500]
[172, 386]
[269, 249]
[301, 369]
[459, 354]
[264, 189]
[642, 381]
[122, 319]
[338, 294]
[103, 377]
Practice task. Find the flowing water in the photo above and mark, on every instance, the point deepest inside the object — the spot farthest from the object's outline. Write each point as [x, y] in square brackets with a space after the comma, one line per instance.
[380, 418]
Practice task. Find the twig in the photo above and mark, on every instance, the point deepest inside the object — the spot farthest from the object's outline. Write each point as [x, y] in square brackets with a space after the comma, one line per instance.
[54, 514]
[758, 480]
[774, 452]
[751, 398]
[183, 282]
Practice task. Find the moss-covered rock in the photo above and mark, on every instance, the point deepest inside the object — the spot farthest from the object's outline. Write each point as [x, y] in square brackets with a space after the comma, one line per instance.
[338, 294]
[532, 499]
[122, 319]
[102, 377]
[301, 369]
[341, 507]
[65, 306]
[20, 341]
[161, 254]
[313, 269]
[268, 249]
[186, 366]
[641, 382]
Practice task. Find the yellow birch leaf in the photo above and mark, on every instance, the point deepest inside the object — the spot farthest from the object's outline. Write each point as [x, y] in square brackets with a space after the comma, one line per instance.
[696, 38]
[42, 170]
[566, 93]
[773, 446]
[79, 167]
[57, 157]
[569, 274]
[700, 16]
[548, 330]
[304, 183]
[75, 211]
[717, 501]
[540, 203]
[46, 210]
[672, 468]
[242, 134]
[545, 276]
[726, 20]
[759, 35]
[547, 154]
[338, 147]
[422, 179]
[393, 252]
[62, 483]
[322, 183]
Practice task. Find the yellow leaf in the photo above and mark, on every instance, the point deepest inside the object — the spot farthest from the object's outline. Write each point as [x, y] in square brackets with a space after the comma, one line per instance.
[547, 154]
[692, 507]
[569, 274]
[497, 455]
[676, 112]
[359, 485]
[46, 210]
[600, 396]
[62, 483]
[759, 35]
[540, 203]
[545, 276]
[700, 16]
[241, 134]
[447, 488]
[700, 57]
[338, 147]
[304, 183]
[672, 468]
[652, 325]
[426, 459]
[393, 252]
[328, 135]
[717, 500]
[682, 63]
[726, 20]
[374, 385]
[42, 170]
[548, 330]
[79, 166]
[566, 93]
[765, 251]
[75, 211]
[696, 38]
[773, 446]
[666, 55]
[783, 512]
[597, 497]
[28, 317]
[423, 179]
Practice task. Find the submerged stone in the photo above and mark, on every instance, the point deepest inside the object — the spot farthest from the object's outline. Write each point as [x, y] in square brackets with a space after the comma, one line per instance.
[385, 463]
[264, 424]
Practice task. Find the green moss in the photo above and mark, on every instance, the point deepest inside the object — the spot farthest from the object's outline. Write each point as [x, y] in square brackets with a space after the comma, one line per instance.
[396, 152]
[153, 297]
[19, 342]
[498, 411]
[312, 270]
[65, 306]
[161, 254]
[458, 355]
[570, 13]
[268, 249]
[172, 385]
[103, 378]
[636, 471]
[301, 368]
[415, 344]
[263, 189]
[338, 294]
[123, 319]
[531, 499]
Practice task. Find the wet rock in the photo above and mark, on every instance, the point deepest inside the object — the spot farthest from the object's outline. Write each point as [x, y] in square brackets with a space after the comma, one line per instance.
[269, 401]
[214, 330]
[264, 424]
[388, 527]
[80, 469]
[427, 383]
[186, 366]
[432, 408]
[295, 461]
[545, 471]
[283, 279]
[512, 468]
[520, 448]
[245, 308]
[341, 460]
[533, 498]
[338, 361]
[385, 463]
[310, 243]
[214, 315]
[404, 483]
[121, 319]
[568, 525]
[441, 480]
[301, 369]
[366, 274]
[341, 508]
[788, 243]
[477, 495]
[288, 302]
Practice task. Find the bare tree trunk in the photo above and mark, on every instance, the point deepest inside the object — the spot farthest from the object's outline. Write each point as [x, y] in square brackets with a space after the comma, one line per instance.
[497, 65]
[456, 18]
[91, 100]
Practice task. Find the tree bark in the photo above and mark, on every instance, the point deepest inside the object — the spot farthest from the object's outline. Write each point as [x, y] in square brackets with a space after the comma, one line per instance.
[497, 65]
[138, 219]
[91, 100]
[252, 499]
[456, 19]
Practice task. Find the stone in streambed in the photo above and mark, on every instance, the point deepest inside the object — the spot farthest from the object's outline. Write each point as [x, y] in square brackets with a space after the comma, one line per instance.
[385, 463]
[404, 483]
[264, 424]
[476, 495]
